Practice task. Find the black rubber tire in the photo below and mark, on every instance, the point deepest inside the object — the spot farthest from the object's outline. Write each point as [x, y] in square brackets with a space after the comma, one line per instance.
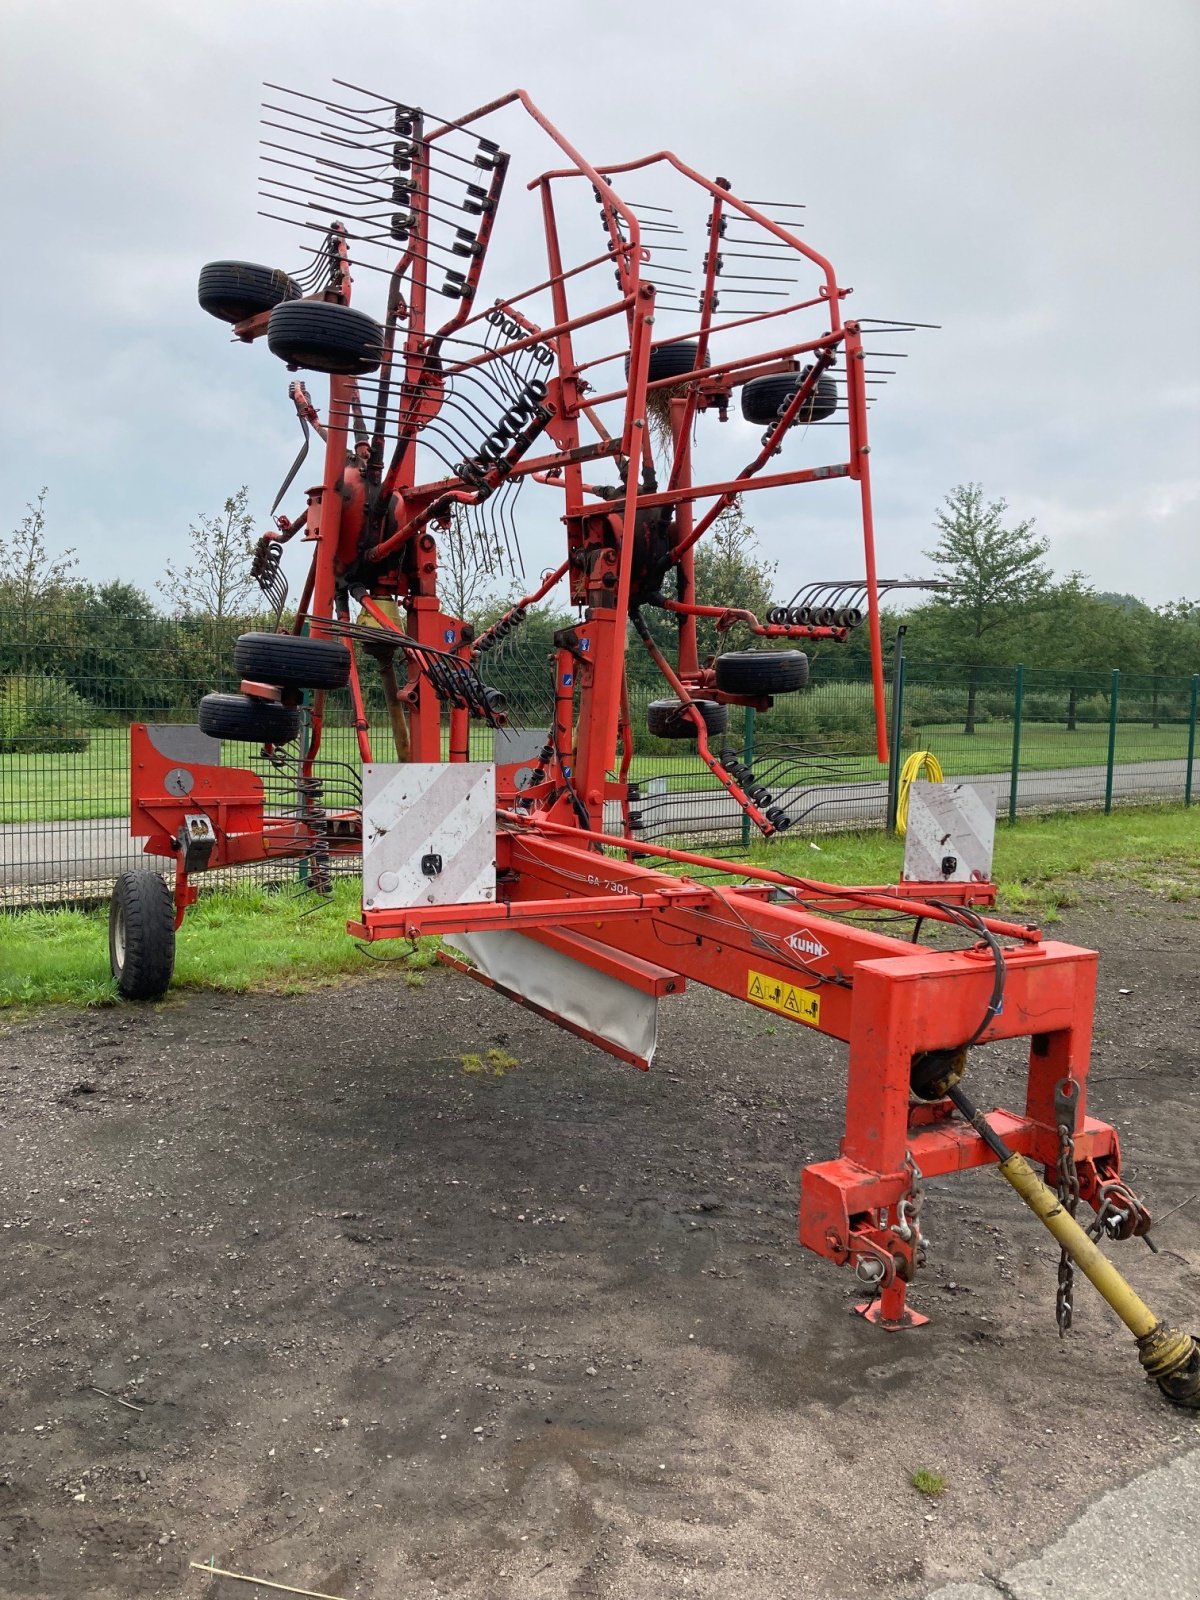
[141, 935]
[666, 719]
[231, 291]
[322, 336]
[292, 661]
[762, 671]
[763, 397]
[238, 716]
[670, 360]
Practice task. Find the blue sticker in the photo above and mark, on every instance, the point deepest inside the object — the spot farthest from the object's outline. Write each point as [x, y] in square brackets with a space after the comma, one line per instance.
[585, 645]
[449, 636]
[566, 772]
[568, 678]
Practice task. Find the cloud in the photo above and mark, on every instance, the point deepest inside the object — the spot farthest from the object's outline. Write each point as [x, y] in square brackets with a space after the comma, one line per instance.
[1022, 175]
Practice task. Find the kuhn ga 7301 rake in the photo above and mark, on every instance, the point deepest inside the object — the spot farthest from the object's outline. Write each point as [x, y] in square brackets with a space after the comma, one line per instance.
[606, 381]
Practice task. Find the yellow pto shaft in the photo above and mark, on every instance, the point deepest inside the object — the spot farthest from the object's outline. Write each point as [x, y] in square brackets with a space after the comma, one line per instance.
[1170, 1357]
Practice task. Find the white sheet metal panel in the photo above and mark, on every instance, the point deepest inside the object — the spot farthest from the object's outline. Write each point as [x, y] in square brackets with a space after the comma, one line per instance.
[590, 999]
[416, 810]
[950, 822]
[519, 747]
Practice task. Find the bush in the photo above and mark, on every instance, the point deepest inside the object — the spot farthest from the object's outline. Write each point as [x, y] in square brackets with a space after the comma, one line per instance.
[833, 717]
[838, 717]
[40, 713]
[1046, 707]
[1092, 708]
[928, 708]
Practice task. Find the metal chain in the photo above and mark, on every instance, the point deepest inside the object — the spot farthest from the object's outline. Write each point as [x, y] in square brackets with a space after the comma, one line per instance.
[1068, 1194]
[908, 1212]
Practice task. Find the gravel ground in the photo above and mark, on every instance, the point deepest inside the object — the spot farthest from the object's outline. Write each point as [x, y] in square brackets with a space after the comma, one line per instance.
[388, 1328]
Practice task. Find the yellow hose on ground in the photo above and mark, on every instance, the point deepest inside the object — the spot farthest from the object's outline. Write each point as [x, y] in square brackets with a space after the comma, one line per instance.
[920, 761]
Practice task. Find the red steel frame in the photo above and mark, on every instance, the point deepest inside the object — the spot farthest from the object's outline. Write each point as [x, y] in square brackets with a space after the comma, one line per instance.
[590, 894]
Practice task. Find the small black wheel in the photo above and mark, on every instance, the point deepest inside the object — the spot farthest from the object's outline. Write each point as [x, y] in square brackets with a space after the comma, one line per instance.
[762, 671]
[324, 336]
[292, 661]
[141, 935]
[764, 398]
[666, 719]
[231, 291]
[670, 360]
[240, 716]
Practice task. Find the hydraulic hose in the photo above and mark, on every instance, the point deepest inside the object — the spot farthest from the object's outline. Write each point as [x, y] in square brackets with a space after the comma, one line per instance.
[920, 761]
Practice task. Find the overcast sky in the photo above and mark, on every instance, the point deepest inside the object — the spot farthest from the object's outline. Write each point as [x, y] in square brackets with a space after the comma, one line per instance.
[1024, 174]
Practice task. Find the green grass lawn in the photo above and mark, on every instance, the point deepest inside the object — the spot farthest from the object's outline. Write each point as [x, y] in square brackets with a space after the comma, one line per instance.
[75, 787]
[1046, 745]
[1039, 862]
[239, 940]
[58, 787]
[289, 943]
[63, 787]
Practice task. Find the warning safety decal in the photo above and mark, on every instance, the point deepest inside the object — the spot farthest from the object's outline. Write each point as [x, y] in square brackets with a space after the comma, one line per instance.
[801, 1004]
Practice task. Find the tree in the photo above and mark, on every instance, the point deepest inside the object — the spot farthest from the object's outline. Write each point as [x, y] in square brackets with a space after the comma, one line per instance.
[996, 579]
[1081, 634]
[1164, 642]
[729, 572]
[34, 586]
[851, 659]
[521, 665]
[127, 655]
[465, 575]
[216, 583]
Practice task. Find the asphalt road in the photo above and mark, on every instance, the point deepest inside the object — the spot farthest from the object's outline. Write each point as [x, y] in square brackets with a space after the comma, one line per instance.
[864, 804]
[33, 853]
[1143, 1539]
[64, 853]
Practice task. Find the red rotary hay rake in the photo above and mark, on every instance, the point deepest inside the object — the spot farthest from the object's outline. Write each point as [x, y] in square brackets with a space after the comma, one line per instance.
[606, 382]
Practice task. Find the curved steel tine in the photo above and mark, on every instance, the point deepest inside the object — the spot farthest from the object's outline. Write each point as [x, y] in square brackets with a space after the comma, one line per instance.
[296, 465]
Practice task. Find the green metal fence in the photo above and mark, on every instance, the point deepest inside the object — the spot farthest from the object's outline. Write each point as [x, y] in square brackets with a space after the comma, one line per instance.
[1047, 740]
[1054, 740]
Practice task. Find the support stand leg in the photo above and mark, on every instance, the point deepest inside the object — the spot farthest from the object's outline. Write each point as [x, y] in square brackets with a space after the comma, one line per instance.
[889, 1309]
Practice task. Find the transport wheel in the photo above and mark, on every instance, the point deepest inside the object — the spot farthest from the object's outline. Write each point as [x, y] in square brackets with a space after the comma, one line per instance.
[325, 337]
[234, 290]
[667, 719]
[670, 360]
[292, 661]
[141, 935]
[762, 398]
[239, 716]
[762, 671]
